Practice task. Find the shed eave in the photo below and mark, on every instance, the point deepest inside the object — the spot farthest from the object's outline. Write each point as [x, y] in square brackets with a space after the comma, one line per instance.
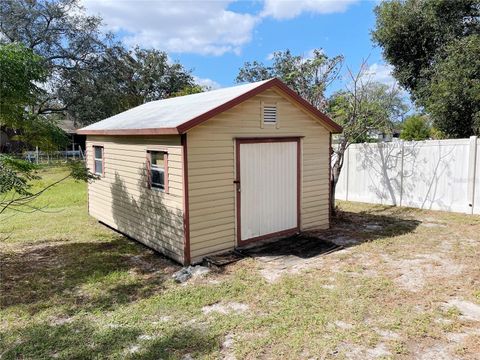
[151, 131]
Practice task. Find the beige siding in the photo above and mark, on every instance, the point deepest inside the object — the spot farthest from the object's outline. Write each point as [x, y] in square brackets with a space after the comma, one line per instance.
[211, 169]
[122, 200]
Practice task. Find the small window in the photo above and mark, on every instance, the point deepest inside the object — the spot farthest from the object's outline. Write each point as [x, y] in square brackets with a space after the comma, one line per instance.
[98, 159]
[269, 114]
[158, 170]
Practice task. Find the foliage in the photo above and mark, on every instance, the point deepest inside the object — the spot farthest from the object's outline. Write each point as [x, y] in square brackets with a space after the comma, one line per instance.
[424, 41]
[362, 107]
[189, 90]
[90, 75]
[373, 107]
[15, 175]
[59, 32]
[308, 76]
[21, 70]
[120, 80]
[454, 100]
[416, 128]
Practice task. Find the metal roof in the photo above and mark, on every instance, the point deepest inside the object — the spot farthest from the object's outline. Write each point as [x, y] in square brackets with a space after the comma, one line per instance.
[179, 114]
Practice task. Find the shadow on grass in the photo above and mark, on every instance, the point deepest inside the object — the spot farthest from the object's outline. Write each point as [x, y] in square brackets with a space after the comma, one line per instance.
[353, 228]
[348, 229]
[94, 275]
[83, 340]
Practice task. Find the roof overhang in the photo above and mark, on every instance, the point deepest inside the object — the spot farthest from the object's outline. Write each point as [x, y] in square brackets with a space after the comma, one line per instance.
[331, 125]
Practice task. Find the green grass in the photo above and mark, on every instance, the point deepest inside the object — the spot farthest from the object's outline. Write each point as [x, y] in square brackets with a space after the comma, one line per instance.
[73, 289]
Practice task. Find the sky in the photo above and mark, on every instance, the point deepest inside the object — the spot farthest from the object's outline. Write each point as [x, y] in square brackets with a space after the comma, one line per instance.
[215, 38]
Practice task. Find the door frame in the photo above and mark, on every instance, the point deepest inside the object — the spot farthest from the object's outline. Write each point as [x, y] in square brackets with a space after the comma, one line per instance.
[256, 140]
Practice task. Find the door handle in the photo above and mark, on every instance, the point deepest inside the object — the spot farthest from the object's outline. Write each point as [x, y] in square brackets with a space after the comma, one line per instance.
[237, 182]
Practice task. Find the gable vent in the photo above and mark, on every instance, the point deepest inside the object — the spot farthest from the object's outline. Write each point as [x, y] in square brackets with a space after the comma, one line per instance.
[269, 114]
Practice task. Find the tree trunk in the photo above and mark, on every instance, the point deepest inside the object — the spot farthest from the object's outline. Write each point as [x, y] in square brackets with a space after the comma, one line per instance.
[336, 170]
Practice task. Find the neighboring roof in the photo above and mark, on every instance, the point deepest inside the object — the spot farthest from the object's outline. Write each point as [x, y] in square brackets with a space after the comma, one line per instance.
[179, 114]
[68, 126]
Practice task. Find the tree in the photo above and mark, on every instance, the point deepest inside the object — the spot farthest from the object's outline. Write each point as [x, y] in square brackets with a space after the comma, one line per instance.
[416, 128]
[21, 71]
[59, 32]
[418, 38]
[122, 79]
[363, 106]
[90, 75]
[308, 76]
[20, 87]
[454, 100]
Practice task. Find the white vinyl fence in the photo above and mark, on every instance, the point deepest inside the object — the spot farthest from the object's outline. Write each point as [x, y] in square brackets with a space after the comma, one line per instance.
[433, 174]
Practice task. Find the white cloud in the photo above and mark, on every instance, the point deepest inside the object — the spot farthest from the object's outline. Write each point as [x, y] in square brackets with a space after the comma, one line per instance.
[201, 27]
[381, 73]
[177, 26]
[207, 83]
[289, 9]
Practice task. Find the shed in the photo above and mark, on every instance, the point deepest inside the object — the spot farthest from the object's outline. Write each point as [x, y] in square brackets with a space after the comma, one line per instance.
[201, 174]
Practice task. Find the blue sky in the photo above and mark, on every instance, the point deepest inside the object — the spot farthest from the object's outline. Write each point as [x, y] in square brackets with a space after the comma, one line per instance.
[215, 38]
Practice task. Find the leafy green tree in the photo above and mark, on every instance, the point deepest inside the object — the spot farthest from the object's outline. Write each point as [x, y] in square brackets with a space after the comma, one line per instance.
[419, 38]
[416, 128]
[308, 76]
[454, 100]
[189, 90]
[122, 79]
[59, 32]
[90, 75]
[22, 75]
[21, 71]
[363, 107]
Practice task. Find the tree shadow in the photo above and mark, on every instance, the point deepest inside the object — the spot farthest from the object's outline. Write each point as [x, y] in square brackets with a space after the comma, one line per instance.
[406, 173]
[81, 339]
[95, 275]
[347, 229]
[146, 217]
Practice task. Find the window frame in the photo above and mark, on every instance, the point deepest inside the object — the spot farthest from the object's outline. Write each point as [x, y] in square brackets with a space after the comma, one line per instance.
[95, 159]
[165, 170]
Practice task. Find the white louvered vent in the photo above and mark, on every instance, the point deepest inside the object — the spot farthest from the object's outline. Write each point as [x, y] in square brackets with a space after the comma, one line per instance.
[270, 114]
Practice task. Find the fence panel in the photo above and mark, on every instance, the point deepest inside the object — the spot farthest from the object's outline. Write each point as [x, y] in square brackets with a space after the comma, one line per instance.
[476, 197]
[434, 174]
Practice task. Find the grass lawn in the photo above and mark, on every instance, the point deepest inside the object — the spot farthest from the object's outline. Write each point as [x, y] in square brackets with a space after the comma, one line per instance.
[406, 286]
